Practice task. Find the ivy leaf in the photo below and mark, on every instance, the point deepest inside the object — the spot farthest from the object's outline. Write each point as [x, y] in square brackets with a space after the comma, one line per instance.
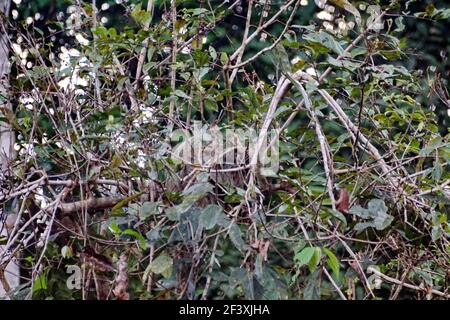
[312, 290]
[436, 233]
[376, 214]
[191, 195]
[235, 235]
[147, 209]
[209, 216]
[198, 189]
[162, 265]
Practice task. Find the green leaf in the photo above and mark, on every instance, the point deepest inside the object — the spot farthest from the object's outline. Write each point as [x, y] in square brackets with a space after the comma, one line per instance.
[117, 209]
[40, 283]
[209, 216]
[400, 25]
[148, 209]
[181, 94]
[198, 11]
[211, 105]
[436, 233]
[346, 5]
[114, 227]
[212, 53]
[332, 262]
[436, 174]
[235, 235]
[162, 265]
[142, 17]
[376, 214]
[338, 215]
[303, 257]
[174, 213]
[345, 64]
[324, 39]
[281, 58]
[315, 259]
[137, 235]
[312, 290]
[223, 58]
[433, 145]
[198, 189]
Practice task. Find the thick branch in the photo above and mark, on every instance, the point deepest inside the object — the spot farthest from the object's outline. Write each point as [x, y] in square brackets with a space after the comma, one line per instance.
[91, 203]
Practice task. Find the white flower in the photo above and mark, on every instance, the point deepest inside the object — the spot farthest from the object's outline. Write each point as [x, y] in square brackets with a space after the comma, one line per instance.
[321, 3]
[79, 92]
[304, 2]
[186, 50]
[104, 20]
[182, 30]
[105, 6]
[25, 99]
[82, 40]
[15, 14]
[71, 82]
[311, 71]
[17, 49]
[17, 1]
[328, 26]
[324, 15]
[329, 9]
[66, 55]
[342, 25]
[71, 9]
[29, 20]
[295, 60]
[74, 53]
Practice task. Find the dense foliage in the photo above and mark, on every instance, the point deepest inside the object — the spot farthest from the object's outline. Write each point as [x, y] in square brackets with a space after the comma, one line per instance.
[105, 94]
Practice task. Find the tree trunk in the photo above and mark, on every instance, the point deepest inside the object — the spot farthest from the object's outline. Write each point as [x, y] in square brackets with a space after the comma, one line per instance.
[7, 140]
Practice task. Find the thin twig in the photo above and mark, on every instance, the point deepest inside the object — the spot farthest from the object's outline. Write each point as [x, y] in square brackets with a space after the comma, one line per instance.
[407, 285]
